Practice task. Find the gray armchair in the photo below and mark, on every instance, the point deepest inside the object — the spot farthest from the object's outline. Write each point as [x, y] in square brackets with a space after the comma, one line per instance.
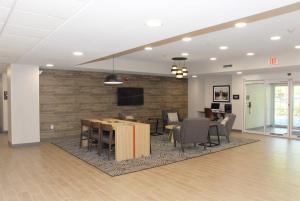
[192, 131]
[224, 126]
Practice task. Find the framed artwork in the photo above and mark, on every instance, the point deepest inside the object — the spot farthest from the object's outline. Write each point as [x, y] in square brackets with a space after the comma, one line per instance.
[221, 93]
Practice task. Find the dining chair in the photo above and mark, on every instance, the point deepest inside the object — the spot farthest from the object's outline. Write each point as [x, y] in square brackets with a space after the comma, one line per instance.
[85, 131]
[107, 136]
[93, 138]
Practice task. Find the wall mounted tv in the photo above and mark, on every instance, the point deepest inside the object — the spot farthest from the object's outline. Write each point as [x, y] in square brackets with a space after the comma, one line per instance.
[130, 96]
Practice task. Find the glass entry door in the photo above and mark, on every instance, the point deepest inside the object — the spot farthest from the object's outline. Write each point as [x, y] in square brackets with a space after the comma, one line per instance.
[295, 131]
[254, 109]
[277, 108]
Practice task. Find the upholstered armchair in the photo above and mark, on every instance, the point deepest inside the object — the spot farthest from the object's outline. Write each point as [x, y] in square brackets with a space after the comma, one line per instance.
[192, 131]
[224, 126]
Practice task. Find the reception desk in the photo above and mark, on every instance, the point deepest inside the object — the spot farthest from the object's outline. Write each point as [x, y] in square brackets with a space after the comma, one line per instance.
[132, 139]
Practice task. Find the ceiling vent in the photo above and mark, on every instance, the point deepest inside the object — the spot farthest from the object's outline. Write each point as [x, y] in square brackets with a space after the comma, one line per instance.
[227, 66]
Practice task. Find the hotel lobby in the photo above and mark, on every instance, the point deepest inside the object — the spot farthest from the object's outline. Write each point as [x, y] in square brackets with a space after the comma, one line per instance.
[149, 100]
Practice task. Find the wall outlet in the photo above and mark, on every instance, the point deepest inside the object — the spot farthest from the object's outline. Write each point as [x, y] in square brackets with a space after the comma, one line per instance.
[51, 127]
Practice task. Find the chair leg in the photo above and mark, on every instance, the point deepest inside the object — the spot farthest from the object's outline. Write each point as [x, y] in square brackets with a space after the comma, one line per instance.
[80, 140]
[182, 149]
[109, 150]
[227, 137]
[174, 143]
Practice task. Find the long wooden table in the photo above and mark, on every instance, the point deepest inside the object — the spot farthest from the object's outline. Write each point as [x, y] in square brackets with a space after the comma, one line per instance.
[132, 139]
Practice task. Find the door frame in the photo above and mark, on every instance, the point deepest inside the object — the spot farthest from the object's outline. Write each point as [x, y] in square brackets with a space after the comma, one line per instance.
[290, 84]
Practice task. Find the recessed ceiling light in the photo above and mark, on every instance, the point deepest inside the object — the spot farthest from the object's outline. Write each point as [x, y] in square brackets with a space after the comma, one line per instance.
[184, 54]
[194, 76]
[154, 23]
[223, 47]
[213, 58]
[297, 47]
[77, 53]
[49, 65]
[239, 72]
[148, 48]
[186, 39]
[250, 54]
[275, 38]
[240, 24]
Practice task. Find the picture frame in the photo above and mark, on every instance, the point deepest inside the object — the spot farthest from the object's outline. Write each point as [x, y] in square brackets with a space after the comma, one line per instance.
[221, 93]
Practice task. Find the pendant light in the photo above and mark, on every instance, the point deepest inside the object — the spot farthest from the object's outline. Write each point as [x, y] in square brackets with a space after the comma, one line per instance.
[174, 68]
[180, 71]
[113, 79]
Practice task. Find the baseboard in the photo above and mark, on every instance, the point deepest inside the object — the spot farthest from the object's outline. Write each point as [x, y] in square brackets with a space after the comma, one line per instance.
[236, 130]
[23, 144]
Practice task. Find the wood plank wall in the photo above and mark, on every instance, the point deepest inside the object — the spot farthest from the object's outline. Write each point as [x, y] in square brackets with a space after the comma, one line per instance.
[68, 96]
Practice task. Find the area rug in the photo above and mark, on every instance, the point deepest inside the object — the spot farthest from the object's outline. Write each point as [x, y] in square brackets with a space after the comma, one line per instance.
[163, 153]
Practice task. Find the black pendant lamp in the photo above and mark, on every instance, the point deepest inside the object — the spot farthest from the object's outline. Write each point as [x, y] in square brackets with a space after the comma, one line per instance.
[113, 79]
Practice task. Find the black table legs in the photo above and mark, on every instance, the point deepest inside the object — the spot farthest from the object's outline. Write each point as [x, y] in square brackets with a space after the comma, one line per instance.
[210, 143]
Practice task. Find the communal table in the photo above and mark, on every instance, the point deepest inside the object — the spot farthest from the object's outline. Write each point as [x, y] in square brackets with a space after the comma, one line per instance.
[132, 139]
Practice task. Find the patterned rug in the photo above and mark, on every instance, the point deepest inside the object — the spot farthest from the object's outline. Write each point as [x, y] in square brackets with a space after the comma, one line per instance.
[163, 153]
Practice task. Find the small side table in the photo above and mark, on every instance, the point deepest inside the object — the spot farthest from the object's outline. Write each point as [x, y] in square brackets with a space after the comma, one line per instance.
[212, 144]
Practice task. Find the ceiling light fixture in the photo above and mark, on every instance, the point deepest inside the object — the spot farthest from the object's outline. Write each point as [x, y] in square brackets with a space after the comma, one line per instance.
[240, 24]
[223, 47]
[186, 39]
[113, 79]
[239, 72]
[297, 47]
[213, 58]
[179, 69]
[274, 38]
[154, 23]
[148, 48]
[49, 65]
[185, 54]
[194, 76]
[250, 54]
[77, 53]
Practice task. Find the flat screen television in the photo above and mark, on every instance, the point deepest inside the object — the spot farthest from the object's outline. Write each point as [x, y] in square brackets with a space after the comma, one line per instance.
[130, 96]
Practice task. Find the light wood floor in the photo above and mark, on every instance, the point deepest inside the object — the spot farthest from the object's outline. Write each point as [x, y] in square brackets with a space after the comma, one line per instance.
[266, 170]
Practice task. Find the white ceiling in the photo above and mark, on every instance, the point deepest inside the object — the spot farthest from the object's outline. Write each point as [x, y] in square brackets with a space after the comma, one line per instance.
[48, 31]
[253, 38]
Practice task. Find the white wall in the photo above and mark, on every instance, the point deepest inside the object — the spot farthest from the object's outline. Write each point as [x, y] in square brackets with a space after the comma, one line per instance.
[201, 92]
[23, 104]
[196, 96]
[4, 103]
[237, 105]
[210, 81]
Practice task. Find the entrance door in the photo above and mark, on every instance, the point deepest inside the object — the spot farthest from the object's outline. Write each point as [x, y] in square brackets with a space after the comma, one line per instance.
[277, 108]
[295, 131]
[254, 109]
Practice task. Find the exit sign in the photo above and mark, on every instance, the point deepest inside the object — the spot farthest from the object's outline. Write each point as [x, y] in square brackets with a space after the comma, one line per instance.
[273, 61]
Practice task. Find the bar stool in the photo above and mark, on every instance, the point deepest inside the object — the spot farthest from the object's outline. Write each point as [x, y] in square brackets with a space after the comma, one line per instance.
[85, 131]
[93, 138]
[107, 136]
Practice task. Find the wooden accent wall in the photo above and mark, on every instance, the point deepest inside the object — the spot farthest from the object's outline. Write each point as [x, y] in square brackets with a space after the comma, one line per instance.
[68, 96]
